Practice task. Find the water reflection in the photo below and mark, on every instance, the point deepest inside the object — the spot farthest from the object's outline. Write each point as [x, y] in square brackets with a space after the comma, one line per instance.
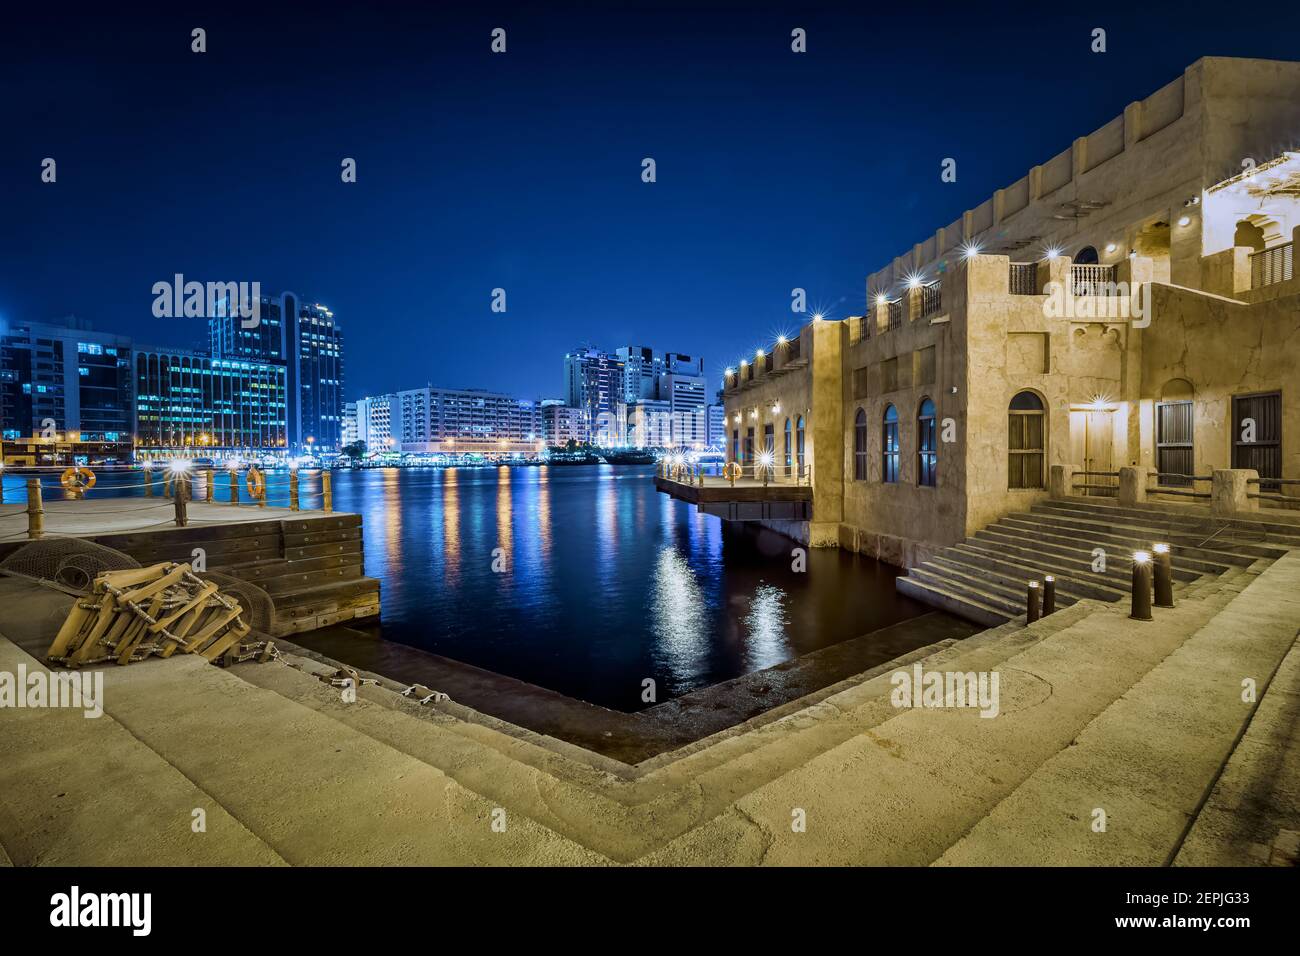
[608, 582]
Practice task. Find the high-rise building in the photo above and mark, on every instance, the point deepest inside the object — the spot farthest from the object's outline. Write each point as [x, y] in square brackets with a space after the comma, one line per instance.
[349, 436]
[561, 423]
[185, 400]
[374, 422]
[304, 337]
[641, 371]
[594, 382]
[67, 379]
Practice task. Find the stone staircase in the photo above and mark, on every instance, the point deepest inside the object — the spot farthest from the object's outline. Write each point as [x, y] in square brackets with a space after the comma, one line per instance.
[984, 578]
[1097, 711]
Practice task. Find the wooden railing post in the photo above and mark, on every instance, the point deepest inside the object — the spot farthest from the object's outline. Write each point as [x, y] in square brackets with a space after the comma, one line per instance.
[211, 482]
[234, 486]
[35, 509]
[327, 489]
[293, 489]
[181, 494]
[147, 472]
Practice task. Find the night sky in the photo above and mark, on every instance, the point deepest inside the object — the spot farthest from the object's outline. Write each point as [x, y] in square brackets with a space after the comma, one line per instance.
[523, 170]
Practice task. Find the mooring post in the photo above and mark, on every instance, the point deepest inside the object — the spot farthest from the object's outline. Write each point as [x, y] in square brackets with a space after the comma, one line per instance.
[1141, 600]
[234, 487]
[147, 471]
[180, 494]
[35, 509]
[1031, 603]
[1049, 594]
[293, 489]
[327, 488]
[1164, 572]
[211, 481]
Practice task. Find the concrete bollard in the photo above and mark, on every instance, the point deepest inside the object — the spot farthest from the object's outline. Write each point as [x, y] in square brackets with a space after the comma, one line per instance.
[1164, 575]
[1061, 481]
[1031, 603]
[1133, 485]
[35, 509]
[1230, 490]
[1140, 607]
[1049, 594]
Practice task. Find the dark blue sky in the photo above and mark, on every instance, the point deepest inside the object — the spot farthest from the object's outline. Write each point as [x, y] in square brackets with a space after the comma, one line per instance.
[522, 170]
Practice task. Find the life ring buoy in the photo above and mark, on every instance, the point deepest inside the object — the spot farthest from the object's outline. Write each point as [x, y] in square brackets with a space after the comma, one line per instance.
[78, 479]
[731, 470]
[256, 482]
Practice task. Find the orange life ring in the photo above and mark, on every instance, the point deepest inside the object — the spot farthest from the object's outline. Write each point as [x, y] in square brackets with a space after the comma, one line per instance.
[79, 479]
[731, 470]
[256, 482]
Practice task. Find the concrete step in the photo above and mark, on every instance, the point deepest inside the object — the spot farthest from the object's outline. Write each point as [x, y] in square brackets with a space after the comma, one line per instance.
[1149, 759]
[1092, 533]
[83, 791]
[1070, 553]
[945, 597]
[1029, 565]
[1199, 526]
[973, 585]
[1285, 525]
[316, 791]
[1012, 585]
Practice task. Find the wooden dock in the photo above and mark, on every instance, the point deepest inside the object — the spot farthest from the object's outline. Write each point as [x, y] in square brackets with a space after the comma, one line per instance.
[309, 563]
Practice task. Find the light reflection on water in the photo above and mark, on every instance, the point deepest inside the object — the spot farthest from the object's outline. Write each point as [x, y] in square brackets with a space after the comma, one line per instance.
[606, 582]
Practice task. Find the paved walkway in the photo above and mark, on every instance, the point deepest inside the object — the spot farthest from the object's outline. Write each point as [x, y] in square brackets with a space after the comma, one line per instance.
[1096, 710]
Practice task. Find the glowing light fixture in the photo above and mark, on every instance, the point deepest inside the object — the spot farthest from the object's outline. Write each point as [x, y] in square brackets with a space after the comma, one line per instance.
[913, 281]
[817, 316]
[1110, 247]
[781, 340]
[1052, 252]
[969, 250]
[178, 466]
[765, 458]
[1141, 557]
[1185, 220]
[758, 355]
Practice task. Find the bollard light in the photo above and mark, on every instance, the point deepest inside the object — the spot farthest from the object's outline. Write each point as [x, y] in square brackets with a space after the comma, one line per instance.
[1164, 575]
[1049, 594]
[1031, 603]
[1141, 599]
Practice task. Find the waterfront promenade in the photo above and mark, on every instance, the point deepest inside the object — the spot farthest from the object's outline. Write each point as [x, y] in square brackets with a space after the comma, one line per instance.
[1145, 722]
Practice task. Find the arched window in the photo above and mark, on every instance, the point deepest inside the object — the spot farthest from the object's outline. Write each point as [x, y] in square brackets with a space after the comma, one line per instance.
[860, 446]
[1086, 256]
[789, 449]
[1027, 436]
[799, 446]
[889, 445]
[927, 451]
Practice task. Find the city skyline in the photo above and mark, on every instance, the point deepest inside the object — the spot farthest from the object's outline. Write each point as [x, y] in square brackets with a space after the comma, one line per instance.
[448, 206]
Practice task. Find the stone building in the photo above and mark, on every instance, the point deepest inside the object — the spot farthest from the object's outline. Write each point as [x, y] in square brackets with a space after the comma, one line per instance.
[1130, 302]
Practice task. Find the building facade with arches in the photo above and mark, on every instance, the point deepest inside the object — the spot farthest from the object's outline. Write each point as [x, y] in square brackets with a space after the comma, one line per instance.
[1130, 302]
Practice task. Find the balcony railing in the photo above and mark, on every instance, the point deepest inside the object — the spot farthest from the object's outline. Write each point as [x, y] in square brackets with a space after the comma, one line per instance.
[931, 299]
[1272, 265]
[1024, 278]
[896, 314]
[1092, 280]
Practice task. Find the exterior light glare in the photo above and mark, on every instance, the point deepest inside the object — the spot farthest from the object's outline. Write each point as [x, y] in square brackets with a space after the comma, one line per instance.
[881, 298]
[765, 459]
[1185, 221]
[1053, 252]
[758, 354]
[913, 281]
[1160, 548]
[969, 250]
[1110, 247]
[817, 316]
[1141, 557]
[179, 466]
[781, 340]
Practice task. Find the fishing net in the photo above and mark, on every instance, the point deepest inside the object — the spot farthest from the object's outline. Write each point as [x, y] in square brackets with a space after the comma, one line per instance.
[71, 562]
